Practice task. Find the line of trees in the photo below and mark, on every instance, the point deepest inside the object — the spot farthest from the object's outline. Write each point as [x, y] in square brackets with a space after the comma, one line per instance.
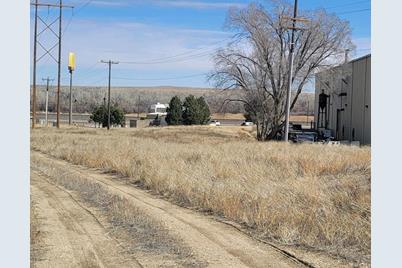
[193, 111]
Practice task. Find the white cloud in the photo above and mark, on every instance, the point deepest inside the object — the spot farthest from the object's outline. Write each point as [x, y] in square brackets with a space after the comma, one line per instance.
[127, 41]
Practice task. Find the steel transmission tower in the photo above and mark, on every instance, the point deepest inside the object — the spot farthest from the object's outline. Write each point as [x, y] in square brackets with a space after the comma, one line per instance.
[48, 51]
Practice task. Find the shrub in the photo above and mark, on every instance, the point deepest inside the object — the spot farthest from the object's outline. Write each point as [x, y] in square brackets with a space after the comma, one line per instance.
[175, 112]
[196, 111]
[100, 115]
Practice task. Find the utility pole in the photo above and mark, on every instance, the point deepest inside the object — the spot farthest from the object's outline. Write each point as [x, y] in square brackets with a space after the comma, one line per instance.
[71, 68]
[70, 113]
[138, 107]
[47, 52]
[289, 92]
[59, 66]
[34, 67]
[47, 98]
[109, 62]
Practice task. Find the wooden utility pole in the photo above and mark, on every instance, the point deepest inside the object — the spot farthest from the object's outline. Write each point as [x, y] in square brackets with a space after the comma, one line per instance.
[47, 98]
[59, 66]
[294, 19]
[138, 107]
[109, 62]
[289, 92]
[34, 67]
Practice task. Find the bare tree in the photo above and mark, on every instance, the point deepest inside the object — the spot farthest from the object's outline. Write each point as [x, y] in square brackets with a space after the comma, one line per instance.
[256, 61]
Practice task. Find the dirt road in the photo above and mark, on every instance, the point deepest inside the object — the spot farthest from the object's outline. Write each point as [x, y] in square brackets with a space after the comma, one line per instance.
[76, 236]
[72, 236]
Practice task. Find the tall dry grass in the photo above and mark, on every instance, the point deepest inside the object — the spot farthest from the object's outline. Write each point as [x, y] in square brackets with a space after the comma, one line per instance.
[315, 196]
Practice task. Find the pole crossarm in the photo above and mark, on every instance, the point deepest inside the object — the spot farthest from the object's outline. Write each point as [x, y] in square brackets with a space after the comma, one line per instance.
[109, 61]
[51, 5]
[296, 19]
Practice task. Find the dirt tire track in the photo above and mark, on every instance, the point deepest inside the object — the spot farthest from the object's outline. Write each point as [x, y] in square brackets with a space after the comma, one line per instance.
[214, 242]
[71, 235]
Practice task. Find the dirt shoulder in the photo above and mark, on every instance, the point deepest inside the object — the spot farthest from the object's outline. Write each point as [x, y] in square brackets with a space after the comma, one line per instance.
[70, 235]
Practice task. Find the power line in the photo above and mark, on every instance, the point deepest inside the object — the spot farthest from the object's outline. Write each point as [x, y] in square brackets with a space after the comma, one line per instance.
[84, 5]
[182, 56]
[166, 78]
[69, 22]
[189, 57]
[193, 50]
[73, 14]
[353, 11]
[349, 4]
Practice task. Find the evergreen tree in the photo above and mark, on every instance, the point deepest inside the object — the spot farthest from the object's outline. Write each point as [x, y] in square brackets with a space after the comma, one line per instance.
[190, 110]
[204, 113]
[196, 111]
[175, 112]
[100, 115]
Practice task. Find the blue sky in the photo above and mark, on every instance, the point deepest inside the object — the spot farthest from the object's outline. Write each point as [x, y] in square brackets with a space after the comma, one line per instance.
[170, 41]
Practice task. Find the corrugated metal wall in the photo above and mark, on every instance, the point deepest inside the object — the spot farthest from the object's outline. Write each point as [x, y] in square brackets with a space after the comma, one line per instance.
[367, 108]
[349, 116]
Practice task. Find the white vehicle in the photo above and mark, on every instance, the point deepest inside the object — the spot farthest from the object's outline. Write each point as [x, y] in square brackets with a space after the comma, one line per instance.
[247, 123]
[214, 123]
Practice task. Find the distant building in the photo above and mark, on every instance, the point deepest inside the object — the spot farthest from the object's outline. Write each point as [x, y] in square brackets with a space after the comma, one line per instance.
[343, 101]
[158, 109]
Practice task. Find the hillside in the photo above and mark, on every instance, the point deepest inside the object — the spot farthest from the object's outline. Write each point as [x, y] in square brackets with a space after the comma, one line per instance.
[133, 98]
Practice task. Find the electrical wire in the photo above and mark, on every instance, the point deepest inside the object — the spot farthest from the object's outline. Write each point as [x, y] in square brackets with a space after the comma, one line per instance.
[189, 57]
[353, 11]
[75, 13]
[69, 21]
[159, 79]
[183, 56]
[192, 51]
[83, 6]
[347, 5]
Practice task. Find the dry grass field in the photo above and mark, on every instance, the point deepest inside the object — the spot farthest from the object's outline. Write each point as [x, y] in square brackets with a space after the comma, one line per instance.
[240, 116]
[309, 195]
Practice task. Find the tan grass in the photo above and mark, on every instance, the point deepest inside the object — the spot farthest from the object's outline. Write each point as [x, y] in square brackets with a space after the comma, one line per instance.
[310, 195]
[240, 116]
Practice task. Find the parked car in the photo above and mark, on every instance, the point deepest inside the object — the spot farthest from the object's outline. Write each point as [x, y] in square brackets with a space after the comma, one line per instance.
[247, 123]
[298, 137]
[214, 123]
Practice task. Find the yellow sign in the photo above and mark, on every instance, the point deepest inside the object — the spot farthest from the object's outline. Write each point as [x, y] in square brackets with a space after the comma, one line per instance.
[71, 61]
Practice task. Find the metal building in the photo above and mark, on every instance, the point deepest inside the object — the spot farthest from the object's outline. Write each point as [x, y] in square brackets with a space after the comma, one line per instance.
[343, 101]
